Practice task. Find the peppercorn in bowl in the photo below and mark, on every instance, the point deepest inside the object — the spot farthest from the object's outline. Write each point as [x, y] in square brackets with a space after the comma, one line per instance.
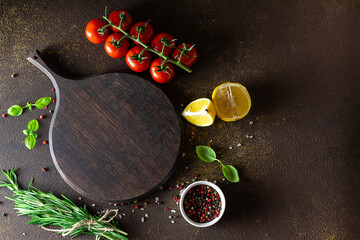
[202, 204]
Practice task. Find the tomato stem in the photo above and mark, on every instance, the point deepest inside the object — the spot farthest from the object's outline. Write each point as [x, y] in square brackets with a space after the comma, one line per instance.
[126, 34]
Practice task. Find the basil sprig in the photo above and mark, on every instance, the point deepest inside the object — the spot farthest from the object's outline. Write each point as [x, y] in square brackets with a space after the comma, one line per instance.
[16, 110]
[207, 154]
[30, 140]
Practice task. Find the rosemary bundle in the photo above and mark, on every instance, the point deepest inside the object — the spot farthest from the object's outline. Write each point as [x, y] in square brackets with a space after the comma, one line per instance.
[46, 209]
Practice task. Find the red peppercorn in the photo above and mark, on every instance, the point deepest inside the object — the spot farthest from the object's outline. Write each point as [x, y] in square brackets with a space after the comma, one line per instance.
[44, 169]
[217, 215]
[122, 204]
[53, 89]
[186, 170]
[54, 101]
[4, 115]
[45, 107]
[181, 187]
[166, 208]
[197, 175]
[136, 206]
[175, 198]
[41, 116]
[170, 187]
[45, 142]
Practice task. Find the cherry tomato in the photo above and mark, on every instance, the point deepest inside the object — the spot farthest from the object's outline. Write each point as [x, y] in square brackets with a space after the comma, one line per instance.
[114, 17]
[116, 48]
[163, 38]
[189, 57]
[95, 32]
[145, 30]
[162, 75]
[134, 62]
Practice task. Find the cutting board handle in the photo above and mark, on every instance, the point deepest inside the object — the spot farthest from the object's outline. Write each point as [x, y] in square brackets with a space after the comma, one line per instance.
[36, 59]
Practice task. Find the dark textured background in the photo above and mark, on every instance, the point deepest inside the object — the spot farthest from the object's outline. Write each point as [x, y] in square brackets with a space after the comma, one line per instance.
[300, 61]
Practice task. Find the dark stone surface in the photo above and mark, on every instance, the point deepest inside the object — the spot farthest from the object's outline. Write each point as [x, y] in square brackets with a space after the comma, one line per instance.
[298, 59]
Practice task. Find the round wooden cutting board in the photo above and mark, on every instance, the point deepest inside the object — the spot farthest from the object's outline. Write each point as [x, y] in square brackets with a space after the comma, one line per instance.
[113, 137]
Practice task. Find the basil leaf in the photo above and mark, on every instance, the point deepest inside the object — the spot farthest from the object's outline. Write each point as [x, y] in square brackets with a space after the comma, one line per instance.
[33, 125]
[30, 142]
[15, 110]
[205, 153]
[34, 135]
[42, 102]
[30, 107]
[26, 132]
[230, 173]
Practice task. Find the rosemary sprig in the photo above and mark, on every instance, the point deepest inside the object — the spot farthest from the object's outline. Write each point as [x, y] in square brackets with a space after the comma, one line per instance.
[46, 209]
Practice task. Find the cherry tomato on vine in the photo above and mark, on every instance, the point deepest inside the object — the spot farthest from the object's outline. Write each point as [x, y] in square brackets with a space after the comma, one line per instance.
[95, 31]
[163, 38]
[134, 61]
[190, 54]
[116, 46]
[145, 30]
[115, 17]
[162, 75]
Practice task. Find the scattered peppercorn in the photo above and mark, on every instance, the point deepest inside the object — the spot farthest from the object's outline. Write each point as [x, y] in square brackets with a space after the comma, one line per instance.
[54, 101]
[44, 169]
[170, 187]
[137, 206]
[45, 107]
[13, 75]
[166, 208]
[53, 89]
[45, 142]
[4, 115]
[51, 111]
[41, 116]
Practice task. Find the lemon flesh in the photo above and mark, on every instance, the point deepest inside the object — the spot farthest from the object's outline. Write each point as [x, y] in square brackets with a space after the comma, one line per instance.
[232, 101]
[200, 112]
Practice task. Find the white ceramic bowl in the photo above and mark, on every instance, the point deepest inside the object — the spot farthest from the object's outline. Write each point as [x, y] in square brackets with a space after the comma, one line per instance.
[222, 198]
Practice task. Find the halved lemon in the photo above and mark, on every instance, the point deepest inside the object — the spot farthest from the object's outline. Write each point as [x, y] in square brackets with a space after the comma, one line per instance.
[232, 101]
[200, 112]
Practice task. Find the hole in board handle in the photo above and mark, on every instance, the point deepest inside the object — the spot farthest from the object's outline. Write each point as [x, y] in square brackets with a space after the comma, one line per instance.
[35, 57]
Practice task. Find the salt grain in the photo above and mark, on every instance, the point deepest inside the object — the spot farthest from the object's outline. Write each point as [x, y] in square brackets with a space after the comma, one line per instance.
[173, 211]
[93, 204]
[142, 209]
[133, 210]
[251, 122]
[146, 215]
[183, 154]
[169, 216]
[157, 199]
[142, 219]
[251, 136]
[239, 144]
[172, 221]
[230, 148]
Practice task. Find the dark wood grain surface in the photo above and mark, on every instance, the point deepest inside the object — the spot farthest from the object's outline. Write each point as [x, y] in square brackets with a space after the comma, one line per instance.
[113, 137]
[299, 60]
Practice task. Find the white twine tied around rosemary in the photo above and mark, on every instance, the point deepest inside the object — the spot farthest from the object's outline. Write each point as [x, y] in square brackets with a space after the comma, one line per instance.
[89, 223]
[46, 209]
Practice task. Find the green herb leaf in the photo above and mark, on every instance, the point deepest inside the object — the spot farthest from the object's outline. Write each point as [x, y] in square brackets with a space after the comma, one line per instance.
[15, 110]
[33, 125]
[230, 173]
[33, 134]
[30, 142]
[205, 153]
[26, 132]
[42, 102]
